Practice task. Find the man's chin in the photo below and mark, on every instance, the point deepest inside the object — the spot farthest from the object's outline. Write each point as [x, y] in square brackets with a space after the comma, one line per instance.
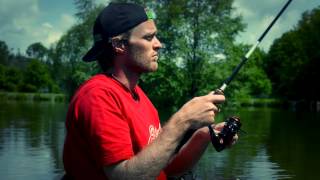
[154, 67]
[151, 70]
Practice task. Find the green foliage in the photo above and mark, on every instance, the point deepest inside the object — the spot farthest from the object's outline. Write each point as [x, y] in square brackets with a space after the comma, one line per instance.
[166, 86]
[194, 31]
[36, 78]
[251, 81]
[84, 7]
[10, 77]
[4, 53]
[37, 51]
[252, 78]
[2, 76]
[67, 55]
[294, 59]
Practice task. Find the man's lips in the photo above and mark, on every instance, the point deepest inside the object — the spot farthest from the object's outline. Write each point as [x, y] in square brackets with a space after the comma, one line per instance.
[156, 57]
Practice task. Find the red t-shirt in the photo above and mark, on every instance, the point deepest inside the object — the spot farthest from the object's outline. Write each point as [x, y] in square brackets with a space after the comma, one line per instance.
[106, 125]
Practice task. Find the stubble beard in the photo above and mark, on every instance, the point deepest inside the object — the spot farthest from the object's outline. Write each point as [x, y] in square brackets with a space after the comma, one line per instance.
[140, 63]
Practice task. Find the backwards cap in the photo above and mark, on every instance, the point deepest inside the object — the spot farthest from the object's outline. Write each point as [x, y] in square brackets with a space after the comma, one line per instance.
[115, 19]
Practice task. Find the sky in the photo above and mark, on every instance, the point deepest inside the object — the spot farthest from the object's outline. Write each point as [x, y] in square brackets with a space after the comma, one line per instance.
[24, 22]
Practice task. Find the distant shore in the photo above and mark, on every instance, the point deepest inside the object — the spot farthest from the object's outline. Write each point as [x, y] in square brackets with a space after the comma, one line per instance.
[279, 103]
[252, 102]
[19, 96]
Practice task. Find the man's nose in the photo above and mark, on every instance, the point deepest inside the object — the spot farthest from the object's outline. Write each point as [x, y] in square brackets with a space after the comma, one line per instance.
[157, 45]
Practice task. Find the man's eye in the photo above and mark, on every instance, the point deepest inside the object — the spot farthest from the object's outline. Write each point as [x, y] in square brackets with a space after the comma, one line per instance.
[149, 38]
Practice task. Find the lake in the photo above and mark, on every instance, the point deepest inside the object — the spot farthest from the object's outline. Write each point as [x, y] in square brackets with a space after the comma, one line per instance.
[278, 144]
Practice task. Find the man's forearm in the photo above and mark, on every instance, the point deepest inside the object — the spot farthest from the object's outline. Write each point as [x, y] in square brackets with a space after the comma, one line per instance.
[190, 153]
[148, 163]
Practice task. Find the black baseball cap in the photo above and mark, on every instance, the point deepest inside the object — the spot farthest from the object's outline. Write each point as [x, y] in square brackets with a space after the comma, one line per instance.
[113, 20]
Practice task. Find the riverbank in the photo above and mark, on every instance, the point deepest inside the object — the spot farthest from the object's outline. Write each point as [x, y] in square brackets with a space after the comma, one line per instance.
[252, 102]
[18, 96]
[278, 103]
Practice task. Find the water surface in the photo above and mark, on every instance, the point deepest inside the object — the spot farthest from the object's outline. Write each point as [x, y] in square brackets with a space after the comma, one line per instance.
[279, 144]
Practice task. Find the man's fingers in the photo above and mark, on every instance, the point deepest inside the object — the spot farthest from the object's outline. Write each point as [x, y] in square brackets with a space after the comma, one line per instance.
[234, 140]
[215, 108]
[215, 98]
[219, 126]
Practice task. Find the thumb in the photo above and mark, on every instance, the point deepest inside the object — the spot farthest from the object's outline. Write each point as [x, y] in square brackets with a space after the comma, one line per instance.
[219, 126]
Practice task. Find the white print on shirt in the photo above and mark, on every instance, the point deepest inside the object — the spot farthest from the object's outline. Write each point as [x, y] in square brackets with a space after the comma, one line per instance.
[153, 133]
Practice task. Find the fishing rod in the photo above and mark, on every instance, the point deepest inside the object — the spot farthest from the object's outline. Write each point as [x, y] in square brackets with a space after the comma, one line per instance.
[232, 124]
[246, 57]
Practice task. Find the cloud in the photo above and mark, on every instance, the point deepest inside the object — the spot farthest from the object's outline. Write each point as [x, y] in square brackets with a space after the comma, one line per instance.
[53, 34]
[259, 14]
[66, 20]
[52, 38]
[15, 18]
[104, 2]
[47, 25]
[24, 23]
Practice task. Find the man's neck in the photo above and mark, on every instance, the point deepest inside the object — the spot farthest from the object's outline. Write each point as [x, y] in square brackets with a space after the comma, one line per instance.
[125, 77]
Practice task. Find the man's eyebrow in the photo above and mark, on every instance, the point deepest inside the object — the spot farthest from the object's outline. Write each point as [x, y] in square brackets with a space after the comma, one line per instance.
[150, 34]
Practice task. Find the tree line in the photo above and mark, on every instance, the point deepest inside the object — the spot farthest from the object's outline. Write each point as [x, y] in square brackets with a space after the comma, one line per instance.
[31, 73]
[199, 53]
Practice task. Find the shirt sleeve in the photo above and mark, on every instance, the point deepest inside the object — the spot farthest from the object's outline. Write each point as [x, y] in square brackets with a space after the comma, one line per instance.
[105, 128]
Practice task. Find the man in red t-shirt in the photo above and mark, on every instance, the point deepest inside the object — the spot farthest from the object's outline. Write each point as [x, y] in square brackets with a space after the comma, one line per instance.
[113, 130]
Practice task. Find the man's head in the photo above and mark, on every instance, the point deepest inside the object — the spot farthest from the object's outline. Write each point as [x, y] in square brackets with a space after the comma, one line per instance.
[128, 31]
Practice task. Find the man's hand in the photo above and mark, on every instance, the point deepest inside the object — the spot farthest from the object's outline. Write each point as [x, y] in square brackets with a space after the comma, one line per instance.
[200, 111]
[218, 128]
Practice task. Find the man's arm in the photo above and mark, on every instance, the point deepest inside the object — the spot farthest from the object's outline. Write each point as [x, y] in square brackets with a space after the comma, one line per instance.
[191, 152]
[148, 163]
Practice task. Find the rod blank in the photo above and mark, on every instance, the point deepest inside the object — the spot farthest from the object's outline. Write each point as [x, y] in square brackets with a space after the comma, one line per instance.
[248, 54]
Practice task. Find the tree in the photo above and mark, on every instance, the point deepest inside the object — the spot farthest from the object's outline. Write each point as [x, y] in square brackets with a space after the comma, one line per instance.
[4, 53]
[165, 87]
[194, 31]
[36, 78]
[68, 52]
[294, 59]
[10, 78]
[84, 8]
[37, 51]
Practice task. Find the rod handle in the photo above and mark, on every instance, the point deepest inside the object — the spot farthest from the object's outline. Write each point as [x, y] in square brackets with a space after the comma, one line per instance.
[190, 132]
[218, 92]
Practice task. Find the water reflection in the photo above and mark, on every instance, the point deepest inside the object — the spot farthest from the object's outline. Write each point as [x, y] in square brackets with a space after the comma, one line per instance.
[31, 138]
[278, 145]
[294, 143]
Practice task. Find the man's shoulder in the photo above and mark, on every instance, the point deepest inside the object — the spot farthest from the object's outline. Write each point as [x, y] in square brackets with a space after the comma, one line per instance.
[97, 84]
[99, 81]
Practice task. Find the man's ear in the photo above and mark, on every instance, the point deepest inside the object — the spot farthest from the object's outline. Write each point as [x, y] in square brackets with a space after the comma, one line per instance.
[118, 45]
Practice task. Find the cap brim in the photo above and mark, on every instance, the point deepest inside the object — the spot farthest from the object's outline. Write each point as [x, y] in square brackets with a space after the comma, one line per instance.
[94, 53]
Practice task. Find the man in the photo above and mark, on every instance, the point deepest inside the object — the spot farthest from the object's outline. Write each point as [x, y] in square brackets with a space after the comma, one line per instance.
[113, 130]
